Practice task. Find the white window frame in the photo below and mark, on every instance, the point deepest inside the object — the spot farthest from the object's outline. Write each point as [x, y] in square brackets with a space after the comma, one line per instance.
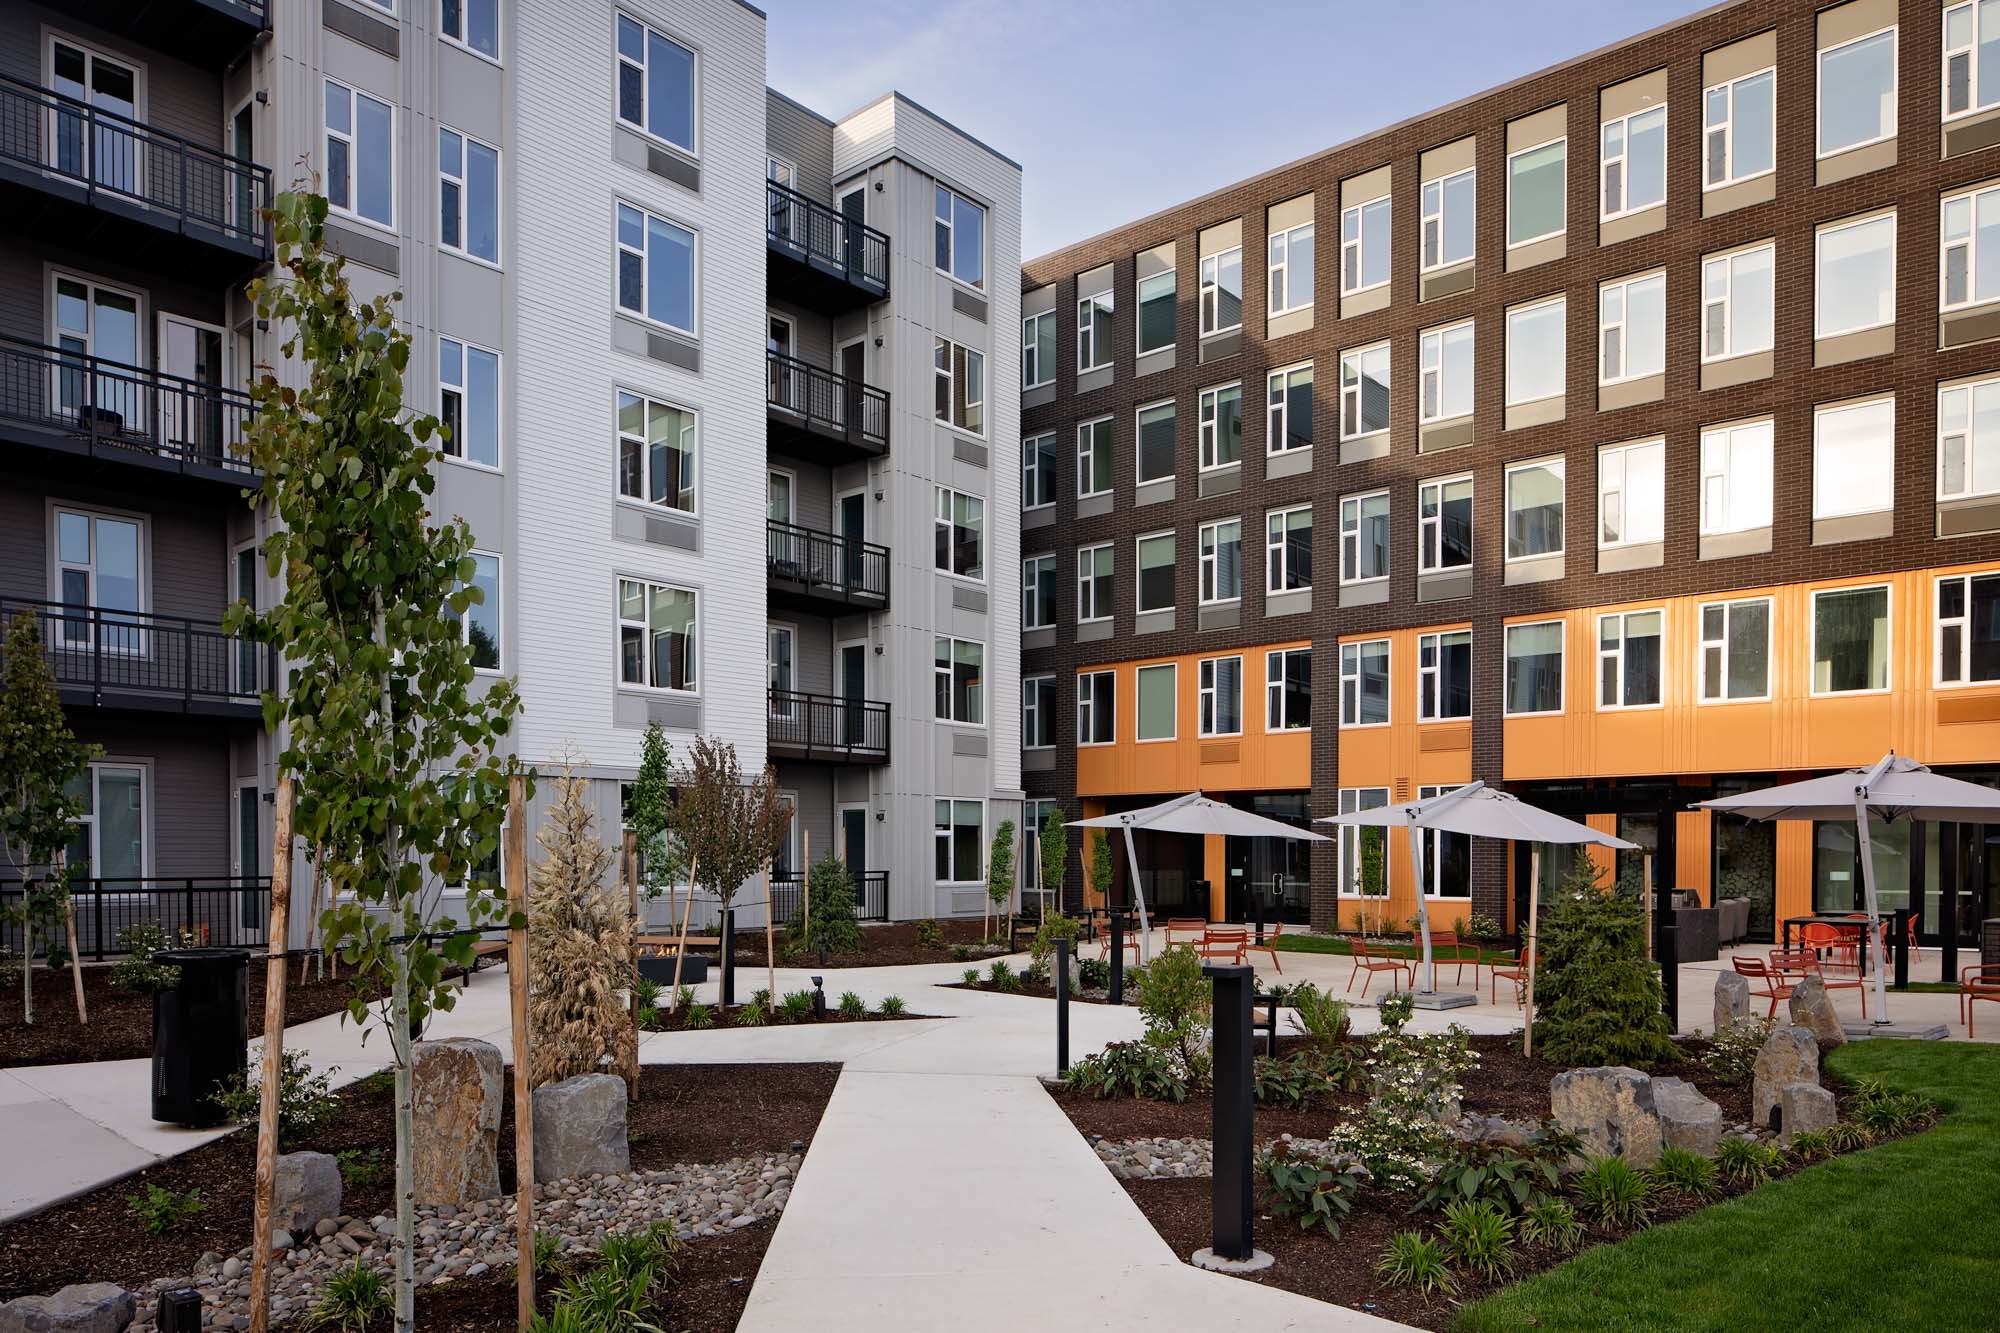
[1562, 352]
[949, 673]
[1971, 56]
[1728, 128]
[1208, 422]
[1812, 639]
[459, 40]
[1703, 644]
[1353, 800]
[1350, 674]
[1970, 245]
[1277, 715]
[1971, 389]
[647, 217]
[1086, 707]
[950, 225]
[1562, 671]
[1819, 272]
[1427, 216]
[1434, 640]
[1363, 235]
[1357, 358]
[497, 607]
[1086, 456]
[948, 372]
[1425, 372]
[1617, 654]
[1031, 471]
[1030, 586]
[463, 181]
[944, 514]
[785, 707]
[1092, 313]
[1279, 270]
[1277, 549]
[1895, 89]
[1559, 464]
[1434, 885]
[350, 138]
[619, 435]
[1138, 703]
[1278, 406]
[1209, 561]
[1350, 536]
[1623, 160]
[1728, 302]
[949, 836]
[132, 640]
[1031, 350]
[463, 390]
[1726, 435]
[1086, 573]
[1624, 490]
[1963, 622]
[1820, 414]
[1437, 521]
[1139, 569]
[1209, 291]
[693, 690]
[645, 84]
[1208, 695]
[1031, 711]
[1623, 325]
[1507, 218]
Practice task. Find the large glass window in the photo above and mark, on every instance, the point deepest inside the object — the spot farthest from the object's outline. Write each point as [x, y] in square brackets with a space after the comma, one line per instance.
[1156, 572]
[1444, 525]
[1449, 219]
[1364, 859]
[1969, 270]
[961, 237]
[656, 635]
[1038, 714]
[1738, 135]
[1038, 350]
[1736, 478]
[1628, 659]
[1447, 856]
[1221, 426]
[1156, 686]
[1445, 373]
[1156, 312]
[1971, 57]
[1969, 440]
[655, 268]
[656, 84]
[468, 196]
[1289, 396]
[360, 154]
[1536, 338]
[960, 377]
[1364, 537]
[1537, 192]
[1093, 457]
[656, 452]
[1364, 246]
[1221, 296]
[1857, 92]
[1736, 296]
[1288, 546]
[469, 402]
[1288, 689]
[481, 621]
[1364, 683]
[1535, 509]
[1364, 392]
[960, 828]
[1219, 696]
[1038, 592]
[1038, 471]
[1632, 493]
[473, 24]
[1096, 707]
[1632, 328]
[101, 566]
[1094, 331]
[1855, 279]
[1850, 640]
[1968, 629]
[959, 671]
[1222, 560]
[960, 531]
[1444, 675]
[1290, 279]
[1736, 650]
[1633, 160]
[1535, 667]
[1094, 582]
[1854, 459]
[1156, 441]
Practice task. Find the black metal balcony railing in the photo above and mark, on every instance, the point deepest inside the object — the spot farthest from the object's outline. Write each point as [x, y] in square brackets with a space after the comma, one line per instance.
[148, 661]
[217, 910]
[825, 401]
[180, 184]
[122, 411]
[871, 895]
[827, 239]
[828, 729]
[826, 566]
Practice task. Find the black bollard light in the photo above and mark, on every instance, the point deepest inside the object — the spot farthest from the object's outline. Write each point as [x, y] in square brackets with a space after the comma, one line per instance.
[727, 997]
[819, 998]
[1062, 1007]
[1670, 971]
[179, 1311]
[1117, 955]
[1231, 1247]
[1899, 931]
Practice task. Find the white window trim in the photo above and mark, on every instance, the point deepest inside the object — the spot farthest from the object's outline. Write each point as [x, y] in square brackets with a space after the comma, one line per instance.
[1349, 845]
[1028, 703]
[1597, 682]
[1028, 453]
[461, 459]
[499, 616]
[1274, 691]
[1441, 483]
[1089, 302]
[785, 709]
[92, 512]
[1812, 639]
[1624, 325]
[1081, 710]
[1625, 494]
[949, 834]
[1508, 215]
[1971, 244]
[1562, 672]
[1105, 613]
[640, 502]
[1031, 564]
[1083, 474]
[1559, 462]
[1204, 285]
[1389, 683]
[1701, 645]
[1276, 553]
[1895, 89]
[1729, 429]
[1968, 388]
[499, 43]
[1137, 695]
[692, 150]
[1964, 639]
[938, 492]
[1285, 265]
[1203, 559]
[1436, 671]
[1728, 127]
[1423, 217]
[354, 156]
[1030, 340]
[1729, 302]
[1138, 450]
[1824, 410]
[951, 225]
[1139, 569]
[461, 250]
[1439, 333]
[985, 682]
[645, 290]
[1208, 423]
[1213, 691]
[1278, 413]
[1624, 159]
[618, 622]
[1819, 304]
[1347, 581]
[1562, 362]
[1973, 105]
[1356, 353]
[1360, 212]
[950, 376]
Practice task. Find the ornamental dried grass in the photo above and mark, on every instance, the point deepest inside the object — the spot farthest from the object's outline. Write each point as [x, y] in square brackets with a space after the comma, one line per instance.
[580, 945]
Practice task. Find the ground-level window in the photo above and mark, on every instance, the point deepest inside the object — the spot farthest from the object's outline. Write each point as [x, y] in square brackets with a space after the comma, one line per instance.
[959, 828]
[1364, 870]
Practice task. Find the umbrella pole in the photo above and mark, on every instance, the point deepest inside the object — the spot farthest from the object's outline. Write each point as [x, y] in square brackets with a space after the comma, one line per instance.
[1139, 897]
[1867, 852]
[1415, 834]
[1528, 953]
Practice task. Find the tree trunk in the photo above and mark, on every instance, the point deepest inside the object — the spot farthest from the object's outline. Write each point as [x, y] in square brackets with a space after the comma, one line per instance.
[27, 966]
[406, 1213]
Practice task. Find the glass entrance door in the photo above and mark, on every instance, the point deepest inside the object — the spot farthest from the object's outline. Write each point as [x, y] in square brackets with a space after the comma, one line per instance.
[1968, 885]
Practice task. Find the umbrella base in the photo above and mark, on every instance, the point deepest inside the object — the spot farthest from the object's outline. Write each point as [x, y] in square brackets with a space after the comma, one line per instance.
[1443, 999]
[1865, 1031]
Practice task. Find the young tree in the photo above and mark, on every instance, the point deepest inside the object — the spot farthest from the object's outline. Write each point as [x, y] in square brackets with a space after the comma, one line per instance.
[728, 829]
[389, 738]
[661, 865]
[1097, 844]
[1055, 857]
[1597, 999]
[40, 760]
[827, 919]
[1000, 870]
[581, 938]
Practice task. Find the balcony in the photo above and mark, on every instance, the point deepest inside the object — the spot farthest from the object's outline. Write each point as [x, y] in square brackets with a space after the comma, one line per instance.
[871, 895]
[213, 34]
[147, 663]
[90, 178]
[84, 411]
[820, 258]
[822, 729]
[823, 572]
[820, 416]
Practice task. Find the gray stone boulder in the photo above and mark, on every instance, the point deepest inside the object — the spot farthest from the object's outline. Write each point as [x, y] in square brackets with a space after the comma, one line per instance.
[1789, 1055]
[89, 1307]
[1732, 1001]
[456, 1091]
[580, 1128]
[1610, 1107]
[305, 1191]
[1687, 1119]
[1812, 1009]
[1804, 1108]
[1493, 1129]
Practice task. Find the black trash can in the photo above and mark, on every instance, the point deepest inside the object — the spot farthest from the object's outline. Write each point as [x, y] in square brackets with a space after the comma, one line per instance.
[199, 1036]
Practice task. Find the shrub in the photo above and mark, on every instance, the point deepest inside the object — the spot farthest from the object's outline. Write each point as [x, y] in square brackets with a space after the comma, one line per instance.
[796, 1007]
[1551, 1222]
[1614, 1192]
[1480, 1238]
[1288, 1082]
[1400, 1147]
[1421, 1071]
[1881, 1111]
[970, 976]
[548, 1253]
[1129, 1069]
[361, 1167]
[580, 942]
[1001, 977]
[1481, 928]
[1323, 1019]
[647, 1017]
[1597, 997]
[137, 971]
[619, 1292]
[1308, 1189]
[960, 952]
[648, 991]
[756, 1013]
[1174, 1002]
[1812, 1145]
[1732, 1053]
[684, 997]
[1748, 1161]
[1036, 973]
[852, 1005]
[162, 1210]
[1416, 1260]
[891, 1006]
[1846, 1136]
[1055, 926]
[352, 1299]
[1093, 974]
[929, 935]
[306, 1102]
[1685, 1172]
[697, 1017]
[830, 902]
[1512, 1179]
[1395, 1011]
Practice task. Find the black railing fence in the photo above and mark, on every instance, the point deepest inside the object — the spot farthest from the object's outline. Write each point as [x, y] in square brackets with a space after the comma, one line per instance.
[824, 399]
[120, 409]
[217, 910]
[826, 237]
[844, 566]
[871, 895]
[821, 726]
[132, 653]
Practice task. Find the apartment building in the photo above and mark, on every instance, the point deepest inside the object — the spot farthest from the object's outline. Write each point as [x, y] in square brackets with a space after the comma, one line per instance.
[661, 307]
[1621, 436]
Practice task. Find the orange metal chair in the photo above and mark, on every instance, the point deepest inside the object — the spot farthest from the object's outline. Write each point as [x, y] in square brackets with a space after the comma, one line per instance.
[1185, 929]
[1516, 969]
[1371, 961]
[1980, 981]
[1224, 943]
[1269, 946]
[1776, 985]
[1841, 942]
[1448, 949]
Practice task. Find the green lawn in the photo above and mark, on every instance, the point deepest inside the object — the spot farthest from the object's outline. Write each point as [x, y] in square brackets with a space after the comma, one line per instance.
[1904, 1236]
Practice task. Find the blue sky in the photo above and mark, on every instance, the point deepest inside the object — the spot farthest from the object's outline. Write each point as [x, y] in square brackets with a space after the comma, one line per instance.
[1106, 103]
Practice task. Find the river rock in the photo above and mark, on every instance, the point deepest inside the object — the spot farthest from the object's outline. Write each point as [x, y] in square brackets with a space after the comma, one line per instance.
[1687, 1119]
[1804, 1108]
[1732, 1001]
[305, 1191]
[1812, 1009]
[88, 1307]
[1611, 1108]
[456, 1091]
[580, 1128]
[1789, 1055]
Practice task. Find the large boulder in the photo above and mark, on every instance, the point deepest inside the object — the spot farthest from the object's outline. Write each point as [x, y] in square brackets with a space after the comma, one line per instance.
[1812, 1009]
[89, 1307]
[1610, 1107]
[1789, 1055]
[456, 1093]
[1804, 1108]
[580, 1128]
[305, 1189]
[1687, 1119]
[1732, 1001]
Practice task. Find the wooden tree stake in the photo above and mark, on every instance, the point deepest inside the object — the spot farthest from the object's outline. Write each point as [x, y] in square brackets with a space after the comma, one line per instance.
[272, 1061]
[806, 884]
[75, 958]
[1528, 954]
[687, 910]
[630, 863]
[770, 958]
[515, 871]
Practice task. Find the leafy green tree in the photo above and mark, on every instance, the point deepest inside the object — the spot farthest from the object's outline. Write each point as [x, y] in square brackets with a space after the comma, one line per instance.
[1000, 870]
[389, 739]
[41, 766]
[1597, 999]
[827, 917]
[1055, 856]
[661, 865]
[729, 829]
[1098, 844]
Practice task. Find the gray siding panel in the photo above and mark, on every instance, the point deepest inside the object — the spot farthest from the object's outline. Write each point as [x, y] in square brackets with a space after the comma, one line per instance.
[804, 140]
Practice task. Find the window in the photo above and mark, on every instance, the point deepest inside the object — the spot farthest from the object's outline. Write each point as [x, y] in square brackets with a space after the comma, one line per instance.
[469, 402]
[1535, 509]
[1736, 478]
[1222, 291]
[481, 620]
[1288, 689]
[472, 24]
[1093, 331]
[1970, 267]
[1364, 246]
[1969, 440]
[1156, 312]
[1736, 303]
[1038, 471]
[1855, 276]
[1736, 650]
[1364, 851]
[655, 84]
[1448, 220]
[1221, 426]
[961, 238]
[1290, 423]
[1444, 675]
[1093, 583]
[360, 155]
[1737, 130]
[960, 835]
[1220, 696]
[101, 565]
[1632, 328]
[656, 452]
[1857, 92]
[1156, 572]
[1854, 459]
[1038, 713]
[960, 680]
[111, 838]
[656, 635]
[1968, 629]
[1364, 537]
[1444, 525]
[1447, 856]
[1038, 350]
[1156, 686]
[1096, 707]
[1156, 442]
[960, 529]
[1851, 640]
[1632, 493]
[1537, 190]
[1288, 549]
[1034, 815]
[1364, 683]
[1633, 160]
[1038, 592]
[655, 268]
[960, 373]
[1364, 392]
[1093, 458]
[1628, 659]
[1535, 668]
[1445, 374]
[1291, 269]
[781, 669]
[1222, 560]
[1971, 57]
[468, 196]
[1535, 347]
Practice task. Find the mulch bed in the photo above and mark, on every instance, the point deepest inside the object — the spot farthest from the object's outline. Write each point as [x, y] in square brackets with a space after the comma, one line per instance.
[887, 945]
[685, 1113]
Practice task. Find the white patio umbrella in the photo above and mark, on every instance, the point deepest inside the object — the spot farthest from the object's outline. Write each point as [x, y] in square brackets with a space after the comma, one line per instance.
[1193, 813]
[1892, 787]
